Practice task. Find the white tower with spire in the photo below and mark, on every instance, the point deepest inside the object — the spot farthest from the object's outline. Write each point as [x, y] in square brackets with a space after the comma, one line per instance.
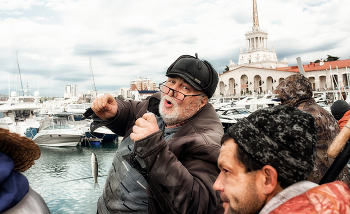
[257, 53]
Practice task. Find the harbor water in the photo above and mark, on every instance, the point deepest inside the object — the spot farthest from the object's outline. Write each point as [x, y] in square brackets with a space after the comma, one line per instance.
[63, 177]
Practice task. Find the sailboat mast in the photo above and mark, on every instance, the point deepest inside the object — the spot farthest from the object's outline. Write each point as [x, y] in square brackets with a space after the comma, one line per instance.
[93, 87]
[9, 87]
[19, 78]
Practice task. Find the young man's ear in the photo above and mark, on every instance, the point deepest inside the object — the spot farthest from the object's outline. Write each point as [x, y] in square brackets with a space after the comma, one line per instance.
[269, 179]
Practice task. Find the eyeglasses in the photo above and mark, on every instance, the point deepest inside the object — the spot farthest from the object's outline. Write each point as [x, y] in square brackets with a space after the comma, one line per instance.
[176, 94]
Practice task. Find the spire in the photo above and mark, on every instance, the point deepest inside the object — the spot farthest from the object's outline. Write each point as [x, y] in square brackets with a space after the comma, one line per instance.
[255, 14]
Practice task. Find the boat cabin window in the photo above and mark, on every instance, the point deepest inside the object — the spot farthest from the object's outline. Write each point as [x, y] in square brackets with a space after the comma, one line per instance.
[1, 115]
[75, 117]
[58, 123]
[243, 111]
[231, 112]
[21, 115]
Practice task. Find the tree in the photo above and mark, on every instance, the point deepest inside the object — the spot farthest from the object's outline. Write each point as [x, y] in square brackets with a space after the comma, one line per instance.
[227, 68]
[329, 59]
[332, 58]
[121, 97]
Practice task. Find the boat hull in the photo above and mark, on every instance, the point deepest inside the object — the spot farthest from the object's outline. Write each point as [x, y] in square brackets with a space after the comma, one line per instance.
[61, 139]
[106, 138]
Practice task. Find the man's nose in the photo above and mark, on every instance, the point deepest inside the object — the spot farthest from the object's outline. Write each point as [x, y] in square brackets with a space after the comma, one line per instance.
[171, 92]
[218, 186]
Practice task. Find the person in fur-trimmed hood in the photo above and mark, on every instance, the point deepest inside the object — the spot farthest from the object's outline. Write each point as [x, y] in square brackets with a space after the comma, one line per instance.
[296, 91]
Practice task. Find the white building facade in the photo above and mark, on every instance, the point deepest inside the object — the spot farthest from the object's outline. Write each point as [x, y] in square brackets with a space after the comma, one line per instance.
[71, 91]
[258, 70]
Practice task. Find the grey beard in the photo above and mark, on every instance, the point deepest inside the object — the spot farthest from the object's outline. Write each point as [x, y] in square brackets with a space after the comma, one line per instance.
[178, 115]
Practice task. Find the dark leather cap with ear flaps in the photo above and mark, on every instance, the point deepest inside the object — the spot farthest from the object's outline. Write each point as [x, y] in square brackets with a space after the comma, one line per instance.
[199, 74]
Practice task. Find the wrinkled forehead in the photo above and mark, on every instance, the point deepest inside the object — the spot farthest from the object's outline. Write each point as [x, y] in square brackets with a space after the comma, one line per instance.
[181, 81]
[228, 153]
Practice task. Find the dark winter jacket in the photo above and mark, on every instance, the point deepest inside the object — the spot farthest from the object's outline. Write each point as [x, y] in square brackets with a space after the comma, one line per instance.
[296, 91]
[180, 173]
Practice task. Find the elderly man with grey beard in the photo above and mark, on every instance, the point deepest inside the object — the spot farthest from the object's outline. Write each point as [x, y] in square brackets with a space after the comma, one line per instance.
[167, 161]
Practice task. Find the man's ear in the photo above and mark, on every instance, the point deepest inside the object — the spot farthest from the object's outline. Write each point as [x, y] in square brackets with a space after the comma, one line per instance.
[269, 179]
[203, 101]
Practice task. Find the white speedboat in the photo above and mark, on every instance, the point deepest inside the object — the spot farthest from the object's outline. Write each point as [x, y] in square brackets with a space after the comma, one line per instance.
[64, 129]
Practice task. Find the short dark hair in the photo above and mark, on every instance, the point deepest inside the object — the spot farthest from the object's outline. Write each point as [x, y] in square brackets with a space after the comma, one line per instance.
[249, 164]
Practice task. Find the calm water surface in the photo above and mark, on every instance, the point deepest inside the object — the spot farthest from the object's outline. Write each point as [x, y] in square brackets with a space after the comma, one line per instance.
[63, 177]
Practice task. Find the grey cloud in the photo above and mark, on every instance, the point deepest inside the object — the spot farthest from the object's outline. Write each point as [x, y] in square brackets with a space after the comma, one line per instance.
[72, 79]
[137, 31]
[276, 22]
[287, 51]
[189, 40]
[32, 13]
[116, 63]
[242, 18]
[90, 50]
[316, 4]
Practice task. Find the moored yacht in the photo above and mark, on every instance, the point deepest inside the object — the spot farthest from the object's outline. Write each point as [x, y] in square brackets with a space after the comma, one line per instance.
[17, 114]
[63, 129]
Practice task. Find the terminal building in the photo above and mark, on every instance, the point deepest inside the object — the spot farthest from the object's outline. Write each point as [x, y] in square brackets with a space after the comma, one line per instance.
[259, 71]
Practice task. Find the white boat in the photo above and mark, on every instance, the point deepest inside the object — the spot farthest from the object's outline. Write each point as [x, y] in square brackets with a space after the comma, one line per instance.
[64, 129]
[231, 115]
[103, 133]
[223, 102]
[17, 114]
[77, 108]
[254, 103]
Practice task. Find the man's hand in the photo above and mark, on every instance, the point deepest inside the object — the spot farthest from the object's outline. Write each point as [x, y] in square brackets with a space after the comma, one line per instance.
[105, 107]
[144, 126]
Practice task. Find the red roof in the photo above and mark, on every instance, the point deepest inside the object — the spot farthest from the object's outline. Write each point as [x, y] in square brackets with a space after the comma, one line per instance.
[317, 67]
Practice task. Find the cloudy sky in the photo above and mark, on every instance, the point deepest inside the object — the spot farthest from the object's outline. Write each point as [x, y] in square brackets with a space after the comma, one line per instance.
[125, 39]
